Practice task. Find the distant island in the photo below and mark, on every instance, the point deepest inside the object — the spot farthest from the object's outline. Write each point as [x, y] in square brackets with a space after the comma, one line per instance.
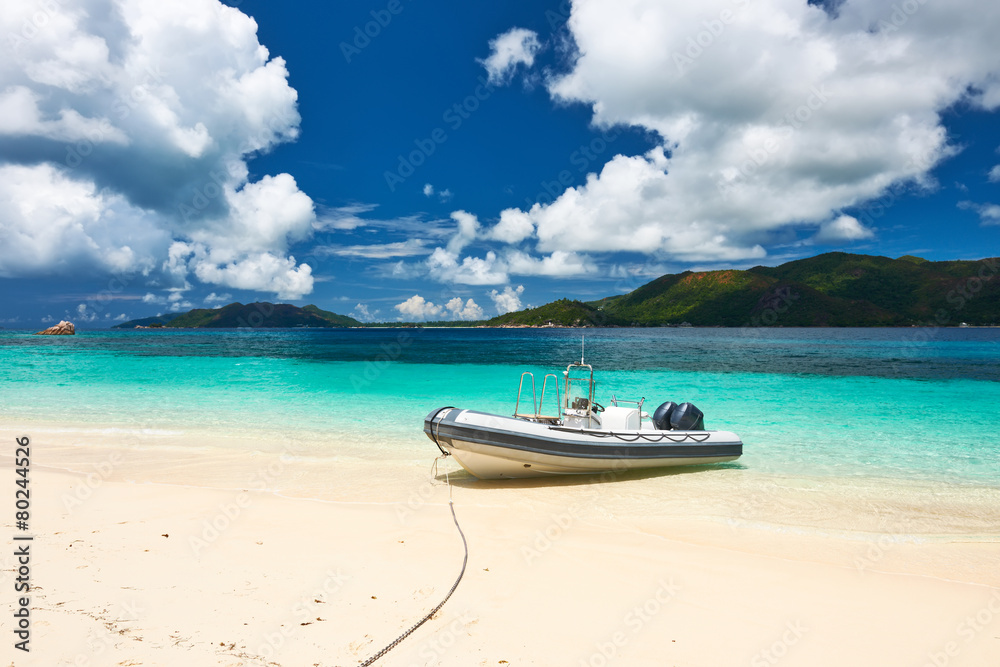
[238, 315]
[831, 290]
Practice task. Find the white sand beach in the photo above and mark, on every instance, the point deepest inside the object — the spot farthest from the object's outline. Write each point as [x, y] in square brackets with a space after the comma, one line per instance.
[169, 557]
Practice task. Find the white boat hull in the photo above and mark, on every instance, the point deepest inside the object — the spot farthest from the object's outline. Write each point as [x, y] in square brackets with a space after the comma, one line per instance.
[496, 447]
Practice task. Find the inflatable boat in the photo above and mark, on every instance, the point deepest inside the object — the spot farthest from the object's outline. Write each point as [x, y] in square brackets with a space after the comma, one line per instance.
[577, 435]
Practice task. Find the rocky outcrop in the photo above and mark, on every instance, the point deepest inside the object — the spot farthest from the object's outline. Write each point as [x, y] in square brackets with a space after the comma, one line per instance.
[64, 328]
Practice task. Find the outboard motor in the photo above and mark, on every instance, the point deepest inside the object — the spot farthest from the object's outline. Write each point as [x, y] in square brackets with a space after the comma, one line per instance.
[686, 417]
[661, 418]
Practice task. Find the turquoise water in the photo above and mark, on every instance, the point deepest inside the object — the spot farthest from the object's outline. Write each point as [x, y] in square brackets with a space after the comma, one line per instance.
[896, 403]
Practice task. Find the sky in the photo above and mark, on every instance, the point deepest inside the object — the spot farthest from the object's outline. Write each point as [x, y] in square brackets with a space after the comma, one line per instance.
[412, 160]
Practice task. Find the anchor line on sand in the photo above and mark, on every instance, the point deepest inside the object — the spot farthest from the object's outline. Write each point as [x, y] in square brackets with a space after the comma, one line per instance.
[465, 561]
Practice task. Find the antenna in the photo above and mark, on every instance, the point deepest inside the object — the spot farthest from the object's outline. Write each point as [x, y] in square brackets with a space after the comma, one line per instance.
[583, 344]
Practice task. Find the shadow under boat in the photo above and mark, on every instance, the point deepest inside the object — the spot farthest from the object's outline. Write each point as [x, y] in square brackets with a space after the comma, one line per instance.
[463, 478]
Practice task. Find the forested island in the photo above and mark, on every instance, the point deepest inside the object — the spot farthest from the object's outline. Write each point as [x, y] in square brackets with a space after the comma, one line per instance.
[834, 289]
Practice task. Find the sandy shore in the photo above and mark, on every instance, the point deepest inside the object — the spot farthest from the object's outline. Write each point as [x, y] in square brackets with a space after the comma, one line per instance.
[208, 557]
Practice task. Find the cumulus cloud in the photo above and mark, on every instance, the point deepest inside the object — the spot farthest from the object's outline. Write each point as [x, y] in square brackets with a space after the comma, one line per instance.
[84, 314]
[994, 175]
[216, 300]
[416, 308]
[444, 266]
[362, 314]
[125, 128]
[507, 301]
[989, 214]
[174, 299]
[468, 228]
[560, 264]
[468, 310]
[52, 223]
[515, 225]
[772, 116]
[842, 228]
[517, 46]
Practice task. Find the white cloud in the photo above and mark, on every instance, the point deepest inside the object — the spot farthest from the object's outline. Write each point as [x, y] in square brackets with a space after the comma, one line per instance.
[994, 175]
[134, 121]
[780, 118]
[517, 46]
[989, 214]
[507, 301]
[20, 116]
[173, 299]
[443, 195]
[515, 225]
[468, 311]
[560, 264]
[406, 248]
[216, 300]
[416, 309]
[51, 223]
[444, 266]
[344, 217]
[842, 228]
[83, 314]
[261, 271]
[362, 314]
[468, 228]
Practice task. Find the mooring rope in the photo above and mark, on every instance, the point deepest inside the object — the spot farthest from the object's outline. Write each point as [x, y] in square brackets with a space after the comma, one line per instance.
[435, 610]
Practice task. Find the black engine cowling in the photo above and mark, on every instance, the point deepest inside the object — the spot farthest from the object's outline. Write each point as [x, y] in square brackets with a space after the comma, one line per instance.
[661, 417]
[687, 417]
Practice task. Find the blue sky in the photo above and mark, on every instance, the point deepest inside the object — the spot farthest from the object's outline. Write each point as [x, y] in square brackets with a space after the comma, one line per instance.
[408, 160]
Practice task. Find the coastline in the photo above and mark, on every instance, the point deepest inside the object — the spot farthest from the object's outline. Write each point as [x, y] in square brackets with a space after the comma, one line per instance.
[825, 572]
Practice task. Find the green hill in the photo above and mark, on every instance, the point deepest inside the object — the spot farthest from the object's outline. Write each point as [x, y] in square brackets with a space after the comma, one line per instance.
[833, 289]
[561, 313]
[260, 315]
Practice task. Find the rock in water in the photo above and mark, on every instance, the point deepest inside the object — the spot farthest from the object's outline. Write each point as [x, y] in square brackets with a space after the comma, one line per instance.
[64, 328]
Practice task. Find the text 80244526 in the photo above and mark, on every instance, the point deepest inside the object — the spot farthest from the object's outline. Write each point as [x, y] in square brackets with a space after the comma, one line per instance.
[22, 552]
